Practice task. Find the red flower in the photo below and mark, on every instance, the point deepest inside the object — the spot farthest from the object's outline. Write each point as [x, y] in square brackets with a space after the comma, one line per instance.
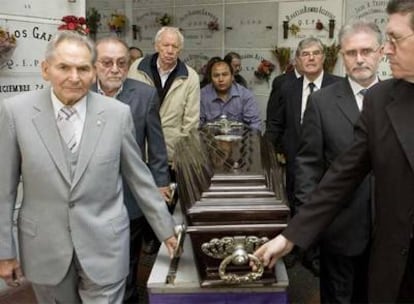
[319, 25]
[73, 23]
[264, 70]
[71, 26]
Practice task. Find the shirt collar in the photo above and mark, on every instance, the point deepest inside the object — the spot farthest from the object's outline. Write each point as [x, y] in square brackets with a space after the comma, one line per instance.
[80, 106]
[161, 72]
[317, 82]
[356, 87]
[100, 91]
[233, 91]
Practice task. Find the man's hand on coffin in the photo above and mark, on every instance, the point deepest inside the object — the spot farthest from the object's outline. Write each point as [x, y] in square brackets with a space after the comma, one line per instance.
[166, 193]
[171, 244]
[273, 250]
[11, 272]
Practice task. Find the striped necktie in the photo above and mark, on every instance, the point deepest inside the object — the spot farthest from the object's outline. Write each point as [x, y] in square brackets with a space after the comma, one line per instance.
[66, 126]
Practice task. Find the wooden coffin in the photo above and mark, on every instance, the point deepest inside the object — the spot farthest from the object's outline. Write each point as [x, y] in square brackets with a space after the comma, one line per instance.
[231, 194]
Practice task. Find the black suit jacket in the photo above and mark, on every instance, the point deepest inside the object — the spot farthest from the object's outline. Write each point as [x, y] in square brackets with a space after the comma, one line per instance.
[273, 104]
[287, 124]
[384, 143]
[327, 131]
[143, 102]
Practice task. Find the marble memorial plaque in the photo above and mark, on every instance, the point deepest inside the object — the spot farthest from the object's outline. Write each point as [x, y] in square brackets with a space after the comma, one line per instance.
[10, 86]
[251, 60]
[32, 8]
[202, 26]
[302, 19]
[249, 25]
[147, 25]
[137, 4]
[31, 38]
[197, 59]
[198, 3]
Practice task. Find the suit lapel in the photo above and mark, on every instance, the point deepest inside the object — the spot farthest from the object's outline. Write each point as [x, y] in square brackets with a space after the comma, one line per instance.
[346, 102]
[297, 102]
[92, 131]
[126, 95]
[401, 113]
[45, 124]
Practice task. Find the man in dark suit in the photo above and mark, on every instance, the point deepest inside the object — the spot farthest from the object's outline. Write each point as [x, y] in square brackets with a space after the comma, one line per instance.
[384, 143]
[288, 117]
[112, 70]
[327, 131]
[292, 72]
[285, 123]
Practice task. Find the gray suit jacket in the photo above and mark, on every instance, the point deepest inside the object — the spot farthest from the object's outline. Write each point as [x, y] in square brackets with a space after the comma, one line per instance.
[143, 102]
[327, 131]
[87, 214]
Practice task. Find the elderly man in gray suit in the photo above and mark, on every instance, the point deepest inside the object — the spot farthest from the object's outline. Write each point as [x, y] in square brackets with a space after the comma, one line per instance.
[112, 70]
[72, 147]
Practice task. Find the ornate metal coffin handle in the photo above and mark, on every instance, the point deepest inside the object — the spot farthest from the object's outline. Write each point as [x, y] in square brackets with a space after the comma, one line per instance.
[238, 251]
[240, 257]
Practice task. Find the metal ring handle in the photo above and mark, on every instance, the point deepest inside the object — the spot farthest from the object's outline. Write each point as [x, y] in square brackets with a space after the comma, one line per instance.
[234, 278]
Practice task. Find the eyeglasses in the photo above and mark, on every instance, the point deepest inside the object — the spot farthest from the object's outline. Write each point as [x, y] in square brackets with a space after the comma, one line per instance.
[396, 41]
[108, 63]
[367, 52]
[313, 53]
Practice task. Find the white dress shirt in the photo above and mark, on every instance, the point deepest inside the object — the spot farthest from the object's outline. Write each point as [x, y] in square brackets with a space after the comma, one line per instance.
[80, 115]
[306, 91]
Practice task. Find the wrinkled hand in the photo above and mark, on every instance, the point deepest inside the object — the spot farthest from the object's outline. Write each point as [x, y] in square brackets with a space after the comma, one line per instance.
[273, 250]
[166, 193]
[171, 243]
[11, 272]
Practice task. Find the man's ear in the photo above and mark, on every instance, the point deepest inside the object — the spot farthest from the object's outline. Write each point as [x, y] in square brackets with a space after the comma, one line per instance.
[45, 70]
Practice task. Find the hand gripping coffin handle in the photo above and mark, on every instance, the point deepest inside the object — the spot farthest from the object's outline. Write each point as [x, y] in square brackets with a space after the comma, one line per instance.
[240, 257]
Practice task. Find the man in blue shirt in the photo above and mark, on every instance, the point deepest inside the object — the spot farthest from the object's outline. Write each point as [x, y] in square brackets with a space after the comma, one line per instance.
[223, 96]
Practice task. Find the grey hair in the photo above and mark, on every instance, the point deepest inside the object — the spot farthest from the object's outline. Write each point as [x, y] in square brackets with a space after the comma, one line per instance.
[357, 26]
[303, 44]
[113, 39]
[170, 29]
[402, 7]
[69, 36]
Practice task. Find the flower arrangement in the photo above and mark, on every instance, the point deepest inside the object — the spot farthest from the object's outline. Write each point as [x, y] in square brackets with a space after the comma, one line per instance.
[164, 20]
[283, 56]
[331, 56]
[213, 26]
[264, 70]
[117, 23]
[73, 23]
[7, 46]
[93, 19]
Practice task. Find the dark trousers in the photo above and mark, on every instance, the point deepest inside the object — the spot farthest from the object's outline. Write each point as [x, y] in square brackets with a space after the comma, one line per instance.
[343, 279]
[406, 294]
[137, 227]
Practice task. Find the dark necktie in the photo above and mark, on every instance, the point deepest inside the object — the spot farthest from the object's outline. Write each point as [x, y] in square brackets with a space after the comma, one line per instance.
[363, 91]
[311, 87]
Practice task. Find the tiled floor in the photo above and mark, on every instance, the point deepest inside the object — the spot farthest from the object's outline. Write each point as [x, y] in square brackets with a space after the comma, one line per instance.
[303, 286]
